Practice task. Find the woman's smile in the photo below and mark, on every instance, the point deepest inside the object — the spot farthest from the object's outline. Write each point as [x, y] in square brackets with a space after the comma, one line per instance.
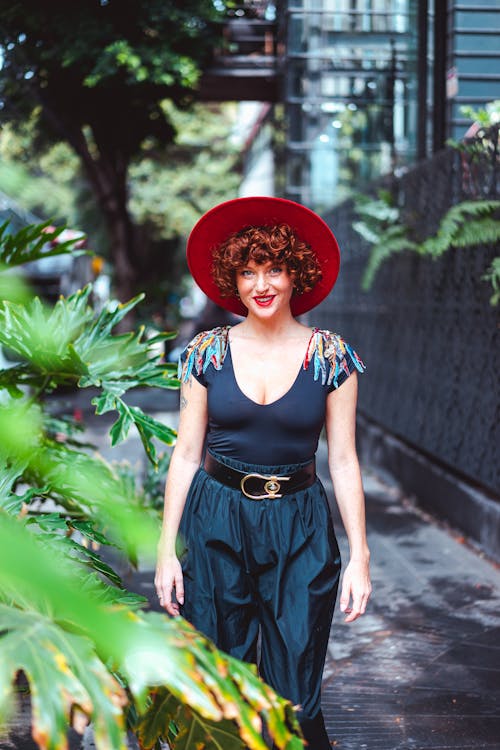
[265, 301]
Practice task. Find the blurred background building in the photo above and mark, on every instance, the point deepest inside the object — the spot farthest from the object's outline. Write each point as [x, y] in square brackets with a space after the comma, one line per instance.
[363, 87]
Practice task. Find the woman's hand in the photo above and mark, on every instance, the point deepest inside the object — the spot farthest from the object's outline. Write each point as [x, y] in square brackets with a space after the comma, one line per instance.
[356, 588]
[169, 577]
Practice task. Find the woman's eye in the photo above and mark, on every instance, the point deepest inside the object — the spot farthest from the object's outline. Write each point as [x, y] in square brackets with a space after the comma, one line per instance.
[276, 270]
[246, 272]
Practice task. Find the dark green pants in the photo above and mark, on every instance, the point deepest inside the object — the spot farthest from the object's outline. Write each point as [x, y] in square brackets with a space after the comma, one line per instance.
[270, 567]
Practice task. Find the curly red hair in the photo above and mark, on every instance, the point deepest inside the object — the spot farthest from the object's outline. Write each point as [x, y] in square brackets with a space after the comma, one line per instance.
[278, 244]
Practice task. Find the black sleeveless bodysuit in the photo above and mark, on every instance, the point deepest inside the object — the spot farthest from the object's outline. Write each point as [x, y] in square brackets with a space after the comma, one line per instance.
[284, 431]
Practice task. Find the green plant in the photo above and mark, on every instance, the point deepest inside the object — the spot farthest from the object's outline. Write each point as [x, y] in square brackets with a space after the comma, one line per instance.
[381, 226]
[67, 622]
[493, 276]
[466, 224]
[486, 116]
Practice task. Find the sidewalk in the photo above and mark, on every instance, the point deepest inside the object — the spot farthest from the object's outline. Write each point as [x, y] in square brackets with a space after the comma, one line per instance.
[421, 669]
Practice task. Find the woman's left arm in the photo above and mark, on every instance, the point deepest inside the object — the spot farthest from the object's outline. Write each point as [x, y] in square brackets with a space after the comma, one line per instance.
[346, 477]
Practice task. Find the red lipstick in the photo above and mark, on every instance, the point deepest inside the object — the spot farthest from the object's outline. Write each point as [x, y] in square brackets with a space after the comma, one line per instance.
[265, 301]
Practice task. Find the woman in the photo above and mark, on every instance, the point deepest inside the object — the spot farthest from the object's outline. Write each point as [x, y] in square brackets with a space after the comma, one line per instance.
[260, 551]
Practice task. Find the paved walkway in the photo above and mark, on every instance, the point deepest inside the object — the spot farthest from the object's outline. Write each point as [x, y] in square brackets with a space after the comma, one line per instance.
[421, 670]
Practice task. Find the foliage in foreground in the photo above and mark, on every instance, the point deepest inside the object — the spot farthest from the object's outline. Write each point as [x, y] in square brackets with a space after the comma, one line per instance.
[66, 620]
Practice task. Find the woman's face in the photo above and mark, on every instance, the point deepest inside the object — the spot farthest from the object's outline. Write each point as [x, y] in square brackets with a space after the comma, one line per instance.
[264, 288]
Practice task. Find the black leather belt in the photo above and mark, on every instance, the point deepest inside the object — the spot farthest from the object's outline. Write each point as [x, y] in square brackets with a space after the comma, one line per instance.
[260, 486]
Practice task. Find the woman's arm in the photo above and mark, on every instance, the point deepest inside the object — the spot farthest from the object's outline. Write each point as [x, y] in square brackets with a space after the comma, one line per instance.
[185, 461]
[346, 477]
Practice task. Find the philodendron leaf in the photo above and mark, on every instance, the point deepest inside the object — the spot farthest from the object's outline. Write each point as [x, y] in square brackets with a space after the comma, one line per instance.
[121, 427]
[149, 651]
[198, 732]
[9, 474]
[34, 242]
[150, 428]
[169, 720]
[105, 402]
[64, 674]
[157, 721]
[147, 427]
[87, 528]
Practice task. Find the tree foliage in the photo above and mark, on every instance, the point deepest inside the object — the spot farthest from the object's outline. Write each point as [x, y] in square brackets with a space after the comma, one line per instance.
[169, 189]
[67, 623]
[94, 74]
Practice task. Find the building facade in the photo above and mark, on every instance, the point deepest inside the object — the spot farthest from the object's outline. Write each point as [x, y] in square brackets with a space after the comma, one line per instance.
[371, 86]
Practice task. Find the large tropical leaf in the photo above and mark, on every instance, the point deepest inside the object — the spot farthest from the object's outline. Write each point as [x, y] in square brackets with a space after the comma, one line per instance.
[148, 650]
[9, 474]
[68, 344]
[168, 719]
[65, 676]
[80, 483]
[85, 484]
[57, 530]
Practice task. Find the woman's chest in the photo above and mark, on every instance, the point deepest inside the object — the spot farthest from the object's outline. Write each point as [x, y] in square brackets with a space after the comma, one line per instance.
[301, 407]
[266, 375]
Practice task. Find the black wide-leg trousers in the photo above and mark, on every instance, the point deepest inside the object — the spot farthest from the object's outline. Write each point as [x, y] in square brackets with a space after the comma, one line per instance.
[270, 567]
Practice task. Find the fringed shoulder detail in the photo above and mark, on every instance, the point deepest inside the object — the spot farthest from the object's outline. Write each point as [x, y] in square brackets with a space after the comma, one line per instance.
[333, 359]
[207, 347]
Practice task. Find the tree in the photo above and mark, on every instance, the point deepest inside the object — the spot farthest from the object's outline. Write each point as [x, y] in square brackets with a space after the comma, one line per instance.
[94, 73]
[67, 623]
[169, 189]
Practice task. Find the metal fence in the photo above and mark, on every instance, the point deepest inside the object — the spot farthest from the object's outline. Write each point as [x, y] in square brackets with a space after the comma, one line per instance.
[426, 329]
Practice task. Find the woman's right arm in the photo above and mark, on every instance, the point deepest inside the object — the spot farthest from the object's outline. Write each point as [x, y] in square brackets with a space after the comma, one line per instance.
[184, 463]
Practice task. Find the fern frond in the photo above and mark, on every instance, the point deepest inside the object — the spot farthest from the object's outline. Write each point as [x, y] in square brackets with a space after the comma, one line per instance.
[379, 210]
[366, 232]
[456, 224]
[493, 276]
[394, 240]
[484, 231]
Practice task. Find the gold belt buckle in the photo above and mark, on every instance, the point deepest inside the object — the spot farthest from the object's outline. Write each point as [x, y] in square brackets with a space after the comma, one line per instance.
[272, 486]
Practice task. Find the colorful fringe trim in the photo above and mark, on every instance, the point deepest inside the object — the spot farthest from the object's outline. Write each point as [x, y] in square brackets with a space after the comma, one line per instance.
[207, 347]
[327, 351]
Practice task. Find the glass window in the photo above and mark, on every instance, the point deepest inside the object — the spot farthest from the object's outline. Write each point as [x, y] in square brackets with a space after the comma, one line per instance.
[351, 94]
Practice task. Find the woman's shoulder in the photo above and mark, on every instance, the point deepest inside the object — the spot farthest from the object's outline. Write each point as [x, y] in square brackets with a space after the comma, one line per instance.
[207, 347]
[333, 359]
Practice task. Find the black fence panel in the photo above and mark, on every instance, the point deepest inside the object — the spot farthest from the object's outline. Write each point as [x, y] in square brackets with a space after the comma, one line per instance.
[426, 329]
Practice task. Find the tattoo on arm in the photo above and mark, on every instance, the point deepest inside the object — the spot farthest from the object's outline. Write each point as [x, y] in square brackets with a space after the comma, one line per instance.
[184, 402]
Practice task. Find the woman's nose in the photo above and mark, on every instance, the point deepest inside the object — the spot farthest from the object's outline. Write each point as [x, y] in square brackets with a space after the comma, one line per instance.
[261, 282]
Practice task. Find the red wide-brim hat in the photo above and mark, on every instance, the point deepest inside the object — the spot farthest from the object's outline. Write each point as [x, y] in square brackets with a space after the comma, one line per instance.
[220, 222]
